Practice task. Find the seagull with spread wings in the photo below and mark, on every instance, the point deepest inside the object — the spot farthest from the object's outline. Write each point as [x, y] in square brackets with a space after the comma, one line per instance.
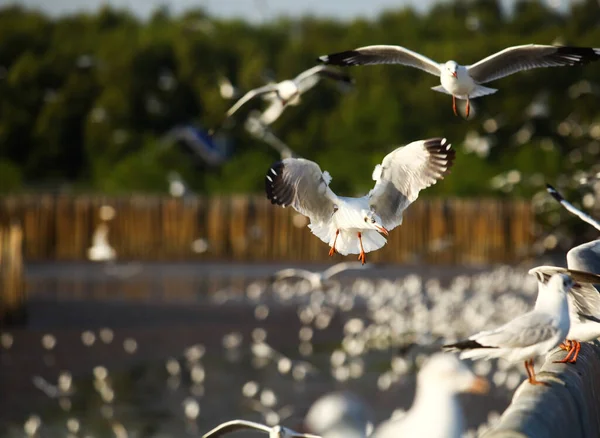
[464, 82]
[288, 92]
[529, 335]
[356, 225]
[274, 432]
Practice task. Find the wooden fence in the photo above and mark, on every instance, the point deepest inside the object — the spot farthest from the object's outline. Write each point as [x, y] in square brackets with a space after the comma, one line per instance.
[12, 286]
[248, 228]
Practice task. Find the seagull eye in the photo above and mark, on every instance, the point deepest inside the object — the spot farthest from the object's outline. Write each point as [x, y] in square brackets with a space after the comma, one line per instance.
[366, 220]
[372, 221]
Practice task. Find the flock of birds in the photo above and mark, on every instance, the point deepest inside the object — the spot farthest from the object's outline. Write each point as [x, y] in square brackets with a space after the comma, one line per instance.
[567, 308]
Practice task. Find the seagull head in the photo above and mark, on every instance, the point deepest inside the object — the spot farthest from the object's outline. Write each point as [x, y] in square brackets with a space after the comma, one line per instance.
[373, 221]
[445, 372]
[562, 283]
[452, 68]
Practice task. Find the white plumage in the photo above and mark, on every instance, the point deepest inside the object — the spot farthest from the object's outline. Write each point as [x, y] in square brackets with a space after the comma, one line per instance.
[355, 225]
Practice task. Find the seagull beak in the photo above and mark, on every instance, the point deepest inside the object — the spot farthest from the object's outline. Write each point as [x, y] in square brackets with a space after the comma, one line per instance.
[479, 386]
[382, 230]
[455, 74]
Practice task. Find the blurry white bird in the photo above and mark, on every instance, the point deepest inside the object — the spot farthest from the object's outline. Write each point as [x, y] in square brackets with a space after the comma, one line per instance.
[339, 415]
[274, 432]
[571, 208]
[261, 131]
[584, 299]
[436, 411]
[226, 88]
[352, 225]
[288, 92]
[319, 279]
[530, 335]
[464, 82]
[101, 250]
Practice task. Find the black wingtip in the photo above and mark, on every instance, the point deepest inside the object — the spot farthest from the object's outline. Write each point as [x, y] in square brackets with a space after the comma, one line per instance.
[346, 58]
[554, 193]
[441, 149]
[277, 191]
[577, 55]
[464, 345]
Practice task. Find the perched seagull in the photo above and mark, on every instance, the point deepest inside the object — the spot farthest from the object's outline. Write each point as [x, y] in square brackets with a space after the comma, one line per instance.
[464, 82]
[571, 208]
[529, 335]
[339, 415]
[288, 92]
[584, 299]
[274, 432]
[353, 225]
[436, 410]
[318, 279]
[101, 250]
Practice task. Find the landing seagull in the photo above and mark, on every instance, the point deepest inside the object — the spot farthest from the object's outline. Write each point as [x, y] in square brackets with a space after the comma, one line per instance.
[318, 279]
[288, 92]
[584, 299]
[464, 82]
[533, 334]
[274, 432]
[436, 410]
[353, 225]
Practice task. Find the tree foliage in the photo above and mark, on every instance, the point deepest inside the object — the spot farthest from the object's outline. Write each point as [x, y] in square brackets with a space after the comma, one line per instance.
[86, 99]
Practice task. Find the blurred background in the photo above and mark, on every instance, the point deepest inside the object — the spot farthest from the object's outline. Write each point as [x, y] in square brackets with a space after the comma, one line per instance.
[138, 254]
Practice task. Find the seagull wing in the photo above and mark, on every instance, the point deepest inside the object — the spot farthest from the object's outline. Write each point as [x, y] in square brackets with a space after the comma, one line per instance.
[383, 55]
[273, 111]
[519, 58]
[404, 173]
[585, 257]
[572, 209]
[233, 425]
[309, 78]
[301, 184]
[270, 88]
[344, 266]
[288, 273]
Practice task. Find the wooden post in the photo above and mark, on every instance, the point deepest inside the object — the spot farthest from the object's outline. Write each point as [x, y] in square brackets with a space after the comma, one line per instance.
[569, 407]
[12, 287]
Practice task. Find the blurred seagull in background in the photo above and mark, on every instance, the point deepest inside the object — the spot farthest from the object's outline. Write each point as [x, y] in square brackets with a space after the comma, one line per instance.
[287, 92]
[101, 251]
[356, 225]
[571, 208]
[464, 82]
[274, 432]
[436, 411]
[319, 279]
[339, 415]
[532, 334]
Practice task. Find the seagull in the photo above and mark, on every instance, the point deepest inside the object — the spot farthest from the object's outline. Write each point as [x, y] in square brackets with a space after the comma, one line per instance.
[571, 208]
[274, 432]
[318, 279]
[339, 415]
[356, 225]
[584, 299]
[529, 335]
[261, 131]
[464, 82]
[436, 410]
[288, 92]
[101, 250]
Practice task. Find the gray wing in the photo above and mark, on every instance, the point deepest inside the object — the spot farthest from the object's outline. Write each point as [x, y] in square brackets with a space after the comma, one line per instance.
[232, 426]
[524, 331]
[404, 173]
[344, 266]
[273, 111]
[309, 78]
[301, 184]
[519, 58]
[383, 55]
[585, 257]
[571, 208]
[270, 88]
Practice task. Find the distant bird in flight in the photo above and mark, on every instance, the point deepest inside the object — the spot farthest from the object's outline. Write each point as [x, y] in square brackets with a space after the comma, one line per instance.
[464, 82]
[287, 92]
[353, 225]
[274, 432]
[318, 280]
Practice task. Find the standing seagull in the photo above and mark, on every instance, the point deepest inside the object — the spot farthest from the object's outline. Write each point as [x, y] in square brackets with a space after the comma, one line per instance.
[274, 432]
[529, 335]
[464, 82]
[436, 410]
[353, 225]
[288, 92]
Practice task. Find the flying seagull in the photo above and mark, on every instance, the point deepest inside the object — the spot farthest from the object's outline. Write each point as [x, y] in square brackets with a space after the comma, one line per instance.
[356, 225]
[318, 279]
[584, 299]
[464, 82]
[274, 432]
[436, 410]
[571, 208]
[532, 334]
[288, 92]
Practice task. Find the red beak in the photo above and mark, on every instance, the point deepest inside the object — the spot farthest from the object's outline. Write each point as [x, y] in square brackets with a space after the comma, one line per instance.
[382, 230]
[455, 74]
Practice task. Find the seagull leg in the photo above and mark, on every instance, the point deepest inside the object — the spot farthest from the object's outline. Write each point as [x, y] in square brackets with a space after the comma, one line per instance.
[468, 107]
[565, 345]
[332, 250]
[571, 346]
[576, 348]
[362, 257]
[454, 105]
[531, 372]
